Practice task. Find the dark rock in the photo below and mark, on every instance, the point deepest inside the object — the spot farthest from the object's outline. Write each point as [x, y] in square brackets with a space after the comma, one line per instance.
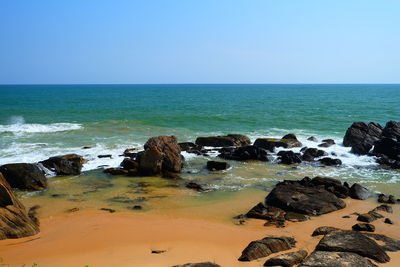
[311, 153]
[105, 156]
[137, 207]
[222, 141]
[129, 164]
[245, 153]
[296, 217]
[330, 162]
[304, 199]
[326, 144]
[266, 246]
[324, 230]
[287, 259]
[351, 241]
[199, 264]
[392, 130]
[270, 143]
[382, 198]
[331, 185]
[329, 141]
[187, 146]
[161, 153]
[388, 221]
[116, 171]
[336, 259]
[75, 209]
[289, 157]
[157, 251]
[359, 192]
[291, 140]
[217, 165]
[15, 221]
[107, 209]
[70, 164]
[195, 186]
[361, 148]
[312, 138]
[389, 244]
[86, 147]
[362, 133]
[366, 227]
[346, 217]
[388, 147]
[272, 214]
[24, 176]
[131, 152]
[385, 208]
[369, 217]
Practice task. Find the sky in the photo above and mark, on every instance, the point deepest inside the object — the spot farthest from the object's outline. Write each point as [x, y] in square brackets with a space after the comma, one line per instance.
[204, 41]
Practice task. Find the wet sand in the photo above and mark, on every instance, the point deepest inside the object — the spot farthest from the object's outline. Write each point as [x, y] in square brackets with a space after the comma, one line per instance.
[203, 233]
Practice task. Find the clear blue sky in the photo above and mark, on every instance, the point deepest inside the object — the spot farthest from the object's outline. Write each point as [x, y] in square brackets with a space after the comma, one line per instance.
[167, 41]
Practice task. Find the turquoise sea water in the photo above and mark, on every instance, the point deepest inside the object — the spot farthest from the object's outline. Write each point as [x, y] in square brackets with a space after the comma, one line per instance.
[38, 121]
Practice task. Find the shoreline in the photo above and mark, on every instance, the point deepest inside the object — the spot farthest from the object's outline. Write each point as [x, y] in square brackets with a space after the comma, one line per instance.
[97, 238]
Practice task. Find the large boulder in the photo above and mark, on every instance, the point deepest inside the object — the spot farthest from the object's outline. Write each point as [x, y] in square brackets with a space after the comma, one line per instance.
[392, 130]
[388, 147]
[161, 154]
[244, 153]
[304, 198]
[15, 221]
[266, 246]
[223, 141]
[332, 185]
[359, 192]
[24, 176]
[360, 132]
[70, 164]
[337, 259]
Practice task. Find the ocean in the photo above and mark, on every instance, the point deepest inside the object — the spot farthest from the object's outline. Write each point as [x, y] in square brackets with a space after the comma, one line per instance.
[39, 121]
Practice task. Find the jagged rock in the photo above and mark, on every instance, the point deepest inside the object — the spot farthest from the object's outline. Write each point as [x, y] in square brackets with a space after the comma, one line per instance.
[366, 227]
[359, 192]
[382, 198]
[336, 259]
[151, 161]
[116, 171]
[362, 133]
[15, 221]
[311, 153]
[129, 164]
[351, 241]
[131, 152]
[330, 162]
[331, 185]
[392, 130]
[272, 214]
[199, 264]
[361, 148]
[270, 143]
[305, 199]
[223, 141]
[385, 208]
[289, 157]
[266, 246]
[70, 164]
[217, 165]
[388, 147]
[24, 176]
[388, 221]
[312, 138]
[287, 259]
[245, 153]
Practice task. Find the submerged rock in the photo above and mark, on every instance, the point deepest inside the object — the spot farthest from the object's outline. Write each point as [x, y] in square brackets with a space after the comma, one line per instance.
[15, 221]
[70, 164]
[266, 246]
[336, 259]
[289, 157]
[310, 153]
[287, 259]
[245, 153]
[24, 176]
[116, 171]
[217, 165]
[223, 141]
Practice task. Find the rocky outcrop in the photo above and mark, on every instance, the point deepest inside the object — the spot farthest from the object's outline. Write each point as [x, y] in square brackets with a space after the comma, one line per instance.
[24, 176]
[392, 130]
[388, 147]
[244, 153]
[337, 259]
[287, 259]
[303, 197]
[217, 165]
[15, 222]
[70, 164]
[266, 246]
[224, 141]
[362, 133]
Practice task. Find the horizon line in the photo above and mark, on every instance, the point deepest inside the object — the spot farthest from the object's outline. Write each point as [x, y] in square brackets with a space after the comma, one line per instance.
[39, 84]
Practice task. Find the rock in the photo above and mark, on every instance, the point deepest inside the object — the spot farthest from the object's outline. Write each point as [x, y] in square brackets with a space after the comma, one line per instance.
[385, 208]
[107, 209]
[86, 147]
[304, 199]
[24, 176]
[327, 143]
[272, 214]
[266, 246]
[15, 221]
[366, 227]
[362, 133]
[223, 141]
[336, 259]
[392, 130]
[188, 146]
[388, 221]
[137, 207]
[289, 157]
[287, 259]
[382, 198]
[296, 217]
[351, 241]
[369, 217]
[331, 185]
[105, 156]
[70, 164]
[312, 138]
[195, 186]
[330, 162]
[199, 264]
[245, 153]
[310, 153]
[161, 153]
[116, 171]
[291, 140]
[75, 209]
[129, 164]
[359, 192]
[324, 230]
[361, 148]
[217, 165]
[388, 147]
[157, 251]
[131, 152]
[389, 244]
[270, 143]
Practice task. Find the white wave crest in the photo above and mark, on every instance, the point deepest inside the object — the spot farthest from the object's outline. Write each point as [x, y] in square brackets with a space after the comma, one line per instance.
[19, 128]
